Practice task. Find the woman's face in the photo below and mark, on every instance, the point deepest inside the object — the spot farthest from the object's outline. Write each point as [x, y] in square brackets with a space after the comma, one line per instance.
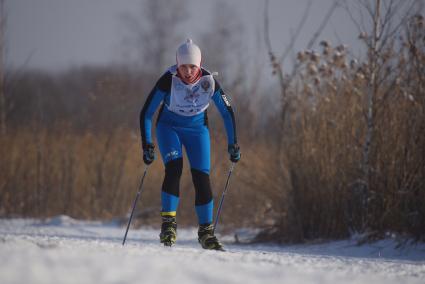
[188, 72]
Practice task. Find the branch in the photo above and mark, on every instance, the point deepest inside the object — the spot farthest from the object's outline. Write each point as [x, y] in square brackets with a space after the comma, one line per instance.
[402, 21]
[297, 32]
[315, 36]
[350, 14]
[266, 27]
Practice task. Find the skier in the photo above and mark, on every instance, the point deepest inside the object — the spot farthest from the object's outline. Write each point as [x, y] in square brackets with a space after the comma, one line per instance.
[184, 92]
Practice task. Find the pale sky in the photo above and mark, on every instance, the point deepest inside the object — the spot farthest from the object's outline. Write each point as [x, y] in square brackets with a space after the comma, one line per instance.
[58, 34]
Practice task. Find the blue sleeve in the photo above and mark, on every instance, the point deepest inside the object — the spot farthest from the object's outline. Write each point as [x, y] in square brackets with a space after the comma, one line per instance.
[226, 111]
[154, 99]
[156, 96]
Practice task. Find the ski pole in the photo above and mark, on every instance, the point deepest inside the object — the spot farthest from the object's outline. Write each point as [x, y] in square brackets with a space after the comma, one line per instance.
[223, 195]
[134, 204]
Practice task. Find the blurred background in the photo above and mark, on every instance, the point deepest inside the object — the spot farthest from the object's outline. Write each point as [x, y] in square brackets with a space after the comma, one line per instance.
[329, 101]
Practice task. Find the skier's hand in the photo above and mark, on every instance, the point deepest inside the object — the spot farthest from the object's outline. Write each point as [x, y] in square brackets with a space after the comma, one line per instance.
[148, 153]
[235, 153]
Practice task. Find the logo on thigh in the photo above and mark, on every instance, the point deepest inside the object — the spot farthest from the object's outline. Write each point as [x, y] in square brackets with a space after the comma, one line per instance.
[172, 155]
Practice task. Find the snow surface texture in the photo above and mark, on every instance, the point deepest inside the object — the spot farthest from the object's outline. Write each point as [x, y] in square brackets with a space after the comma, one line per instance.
[64, 250]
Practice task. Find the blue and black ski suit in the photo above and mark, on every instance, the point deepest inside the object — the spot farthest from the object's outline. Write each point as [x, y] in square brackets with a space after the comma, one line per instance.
[182, 121]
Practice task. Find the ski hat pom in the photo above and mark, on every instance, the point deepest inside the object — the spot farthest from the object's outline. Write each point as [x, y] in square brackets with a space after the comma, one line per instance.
[188, 53]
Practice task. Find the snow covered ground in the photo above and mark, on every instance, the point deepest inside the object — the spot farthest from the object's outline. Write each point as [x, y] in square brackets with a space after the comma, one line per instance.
[64, 250]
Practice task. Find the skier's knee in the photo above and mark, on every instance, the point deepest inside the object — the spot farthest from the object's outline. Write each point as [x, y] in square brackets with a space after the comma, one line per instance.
[202, 184]
[173, 172]
[174, 168]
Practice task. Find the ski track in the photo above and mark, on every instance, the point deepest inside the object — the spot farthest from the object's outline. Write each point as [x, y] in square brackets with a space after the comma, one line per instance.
[64, 250]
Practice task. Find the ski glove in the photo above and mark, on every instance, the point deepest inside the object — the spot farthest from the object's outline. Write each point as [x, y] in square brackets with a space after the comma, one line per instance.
[148, 154]
[234, 152]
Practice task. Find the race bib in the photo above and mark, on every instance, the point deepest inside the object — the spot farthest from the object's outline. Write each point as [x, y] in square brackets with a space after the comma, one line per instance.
[192, 99]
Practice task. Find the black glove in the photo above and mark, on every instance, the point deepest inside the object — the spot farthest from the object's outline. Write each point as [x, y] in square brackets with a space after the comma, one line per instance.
[148, 153]
[235, 153]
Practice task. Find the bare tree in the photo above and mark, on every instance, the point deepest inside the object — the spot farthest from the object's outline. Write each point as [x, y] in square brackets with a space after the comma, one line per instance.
[3, 127]
[377, 30]
[154, 33]
[371, 93]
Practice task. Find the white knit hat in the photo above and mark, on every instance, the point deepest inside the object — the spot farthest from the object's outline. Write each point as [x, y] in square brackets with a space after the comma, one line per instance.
[188, 53]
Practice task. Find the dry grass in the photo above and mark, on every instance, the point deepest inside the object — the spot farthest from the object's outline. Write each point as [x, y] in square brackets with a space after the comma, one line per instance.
[96, 175]
[323, 144]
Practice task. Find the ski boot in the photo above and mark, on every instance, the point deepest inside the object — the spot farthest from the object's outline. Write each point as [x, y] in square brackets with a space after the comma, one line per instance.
[168, 233]
[207, 239]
